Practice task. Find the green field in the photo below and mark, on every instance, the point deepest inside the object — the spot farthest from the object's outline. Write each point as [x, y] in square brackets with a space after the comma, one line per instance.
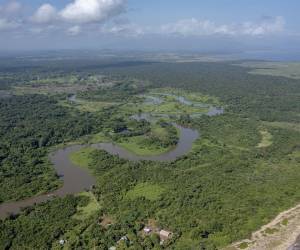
[144, 145]
[266, 140]
[86, 210]
[136, 146]
[81, 158]
[149, 191]
[241, 173]
[172, 106]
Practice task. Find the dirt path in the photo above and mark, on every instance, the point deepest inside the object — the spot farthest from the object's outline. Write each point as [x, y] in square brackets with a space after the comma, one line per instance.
[280, 234]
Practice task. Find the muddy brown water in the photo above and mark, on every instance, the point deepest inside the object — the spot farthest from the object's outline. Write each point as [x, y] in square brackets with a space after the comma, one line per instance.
[184, 145]
[76, 180]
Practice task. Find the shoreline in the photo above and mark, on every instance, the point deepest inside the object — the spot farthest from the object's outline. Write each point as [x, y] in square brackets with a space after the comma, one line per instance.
[282, 233]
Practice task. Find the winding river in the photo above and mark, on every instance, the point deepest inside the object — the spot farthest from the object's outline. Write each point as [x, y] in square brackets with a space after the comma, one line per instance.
[76, 179]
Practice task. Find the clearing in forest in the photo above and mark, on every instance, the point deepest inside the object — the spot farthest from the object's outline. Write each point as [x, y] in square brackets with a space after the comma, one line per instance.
[149, 191]
[266, 140]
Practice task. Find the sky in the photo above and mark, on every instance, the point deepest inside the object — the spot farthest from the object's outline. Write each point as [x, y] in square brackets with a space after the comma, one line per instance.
[202, 25]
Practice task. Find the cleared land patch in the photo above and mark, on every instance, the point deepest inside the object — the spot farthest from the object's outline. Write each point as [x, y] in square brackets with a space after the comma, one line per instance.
[87, 210]
[136, 145]
[266, 140]
[81, 158]
[149, 191]
[279, 234]
[150, 143]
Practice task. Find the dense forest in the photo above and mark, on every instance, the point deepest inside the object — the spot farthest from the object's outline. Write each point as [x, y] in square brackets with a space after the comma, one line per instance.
[232, 181]
[30, 125]
[265, 97]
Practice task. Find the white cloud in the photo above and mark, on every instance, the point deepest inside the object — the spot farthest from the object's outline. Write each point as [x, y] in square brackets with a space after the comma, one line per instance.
[268, 25]
[88, 11]
[6, 24]
[10, 16]
[74, 30]
[195, 27]
[126, 29]
[44, 14]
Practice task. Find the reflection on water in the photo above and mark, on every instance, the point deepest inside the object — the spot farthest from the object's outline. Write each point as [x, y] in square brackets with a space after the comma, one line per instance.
[211, 112]
[75, 180]
[184, 145]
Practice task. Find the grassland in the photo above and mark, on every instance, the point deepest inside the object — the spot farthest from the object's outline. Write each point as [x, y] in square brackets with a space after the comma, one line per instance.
[220, 192]
[172, 107]
[97, 138]
[149, 191]
[266, 139]
[135, 145]
[143, 145]
[81, 158]
[89, 209]
[191, 96]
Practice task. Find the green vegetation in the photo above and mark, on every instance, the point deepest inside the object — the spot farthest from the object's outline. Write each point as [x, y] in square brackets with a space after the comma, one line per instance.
[84, 211]
[196, 97]
[149, 191]
[220, 192]
[243, 245]
[266, 140]
[115, 93]
[290, 70]
[30, 125]
[271, 230]
[284, 125]
[160, 138]
[172, 107]
[81, 158]
[176, 102]
[87, 106]
[40, 227]
[285, 222]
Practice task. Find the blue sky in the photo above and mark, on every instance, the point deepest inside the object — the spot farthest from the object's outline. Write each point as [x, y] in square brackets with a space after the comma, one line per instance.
[157, 24]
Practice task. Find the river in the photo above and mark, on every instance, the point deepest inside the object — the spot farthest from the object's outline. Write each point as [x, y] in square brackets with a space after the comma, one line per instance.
[76, 179]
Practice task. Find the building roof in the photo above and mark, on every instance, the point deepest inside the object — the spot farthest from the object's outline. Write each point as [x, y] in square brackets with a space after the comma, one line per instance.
[165, 233]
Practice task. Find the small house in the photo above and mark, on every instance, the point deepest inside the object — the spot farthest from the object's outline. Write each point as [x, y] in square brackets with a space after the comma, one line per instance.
[124, 238]
[164, 235]
[62, 242]
[147, 230]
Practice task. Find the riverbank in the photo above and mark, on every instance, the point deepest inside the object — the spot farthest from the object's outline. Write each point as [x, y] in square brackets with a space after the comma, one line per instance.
[279, 234]
[75, 180]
